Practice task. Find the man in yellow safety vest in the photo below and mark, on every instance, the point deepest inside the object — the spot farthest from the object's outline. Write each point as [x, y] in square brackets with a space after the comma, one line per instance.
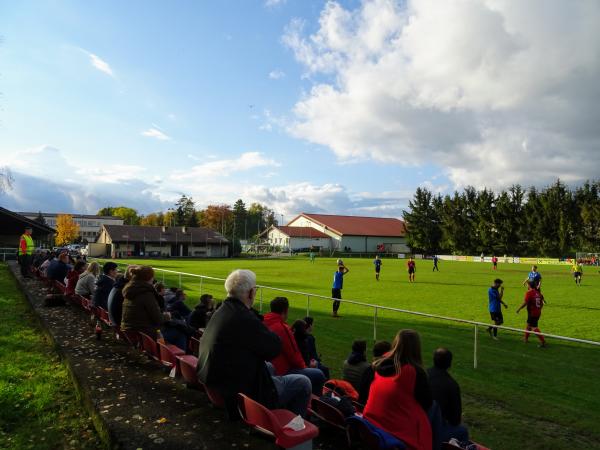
[25, 253]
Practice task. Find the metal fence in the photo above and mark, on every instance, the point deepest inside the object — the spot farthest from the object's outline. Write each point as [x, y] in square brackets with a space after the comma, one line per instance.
[301, 299]
[8, 253]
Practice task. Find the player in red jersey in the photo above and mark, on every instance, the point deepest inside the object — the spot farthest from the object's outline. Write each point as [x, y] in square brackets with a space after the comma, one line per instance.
[412, 267]
[534, 301]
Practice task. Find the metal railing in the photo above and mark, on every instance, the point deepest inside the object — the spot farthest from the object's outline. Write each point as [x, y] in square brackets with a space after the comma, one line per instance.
[8, 253]
[376, 310]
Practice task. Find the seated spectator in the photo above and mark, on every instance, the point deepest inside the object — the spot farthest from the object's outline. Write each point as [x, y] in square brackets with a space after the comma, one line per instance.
[160, 288]
[235, 346]
[73, 277]
[400, 395]
[446, 393]
[46, 263]
[202, 312]
[312, 346]
[177, 307]
[104, 284]
[115, 298]
[379, 350]
[356, 364]
[86, 285]
[59, 268]
[140, 305]
[299, 331]
[290, 360]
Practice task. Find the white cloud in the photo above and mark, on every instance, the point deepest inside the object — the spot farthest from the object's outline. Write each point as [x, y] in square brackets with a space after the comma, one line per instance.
[276, 74]
[100, 64]
[225, 167]
[461, 84]
[155, 133]
[273, 3]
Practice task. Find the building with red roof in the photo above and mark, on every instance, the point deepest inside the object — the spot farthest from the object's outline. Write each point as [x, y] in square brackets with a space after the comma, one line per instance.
[341, 233]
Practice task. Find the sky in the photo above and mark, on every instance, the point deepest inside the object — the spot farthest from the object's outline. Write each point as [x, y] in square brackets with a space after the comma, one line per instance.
[307, 106]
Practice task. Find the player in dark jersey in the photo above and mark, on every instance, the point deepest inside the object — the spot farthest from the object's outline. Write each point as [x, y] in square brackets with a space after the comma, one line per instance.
[338, 284]
[494, 262]
[495, 302]
[412, 268]
[435, 263]
[534, 301]
[377, 262]
[535, 277]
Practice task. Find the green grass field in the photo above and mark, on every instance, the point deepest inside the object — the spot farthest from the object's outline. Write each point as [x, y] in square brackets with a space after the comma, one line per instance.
[39, 408]
[520, 396]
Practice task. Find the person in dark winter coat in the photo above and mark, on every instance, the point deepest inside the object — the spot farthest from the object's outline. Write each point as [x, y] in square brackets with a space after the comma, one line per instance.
[59, 268]
[177, 307]
[140, 304]
[356, 364]
[312, 346]
[379, 350]
[115, 298]
[202, 312]
[235, 346]
[104, 284]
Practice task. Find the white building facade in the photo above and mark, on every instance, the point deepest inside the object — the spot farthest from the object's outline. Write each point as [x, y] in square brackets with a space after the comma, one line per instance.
[297, 238]
[89, 225]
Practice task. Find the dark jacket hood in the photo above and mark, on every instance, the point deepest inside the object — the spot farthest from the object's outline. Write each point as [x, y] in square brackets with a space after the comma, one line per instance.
[120, 283]
[387, 368]
[135, 288]
[105, 282]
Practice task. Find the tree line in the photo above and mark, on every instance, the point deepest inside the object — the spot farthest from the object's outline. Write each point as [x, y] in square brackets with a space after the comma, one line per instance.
[555, 221]
[235, 221]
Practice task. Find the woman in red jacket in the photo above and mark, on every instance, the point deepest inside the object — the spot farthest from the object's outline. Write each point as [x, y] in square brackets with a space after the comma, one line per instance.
[400, 394]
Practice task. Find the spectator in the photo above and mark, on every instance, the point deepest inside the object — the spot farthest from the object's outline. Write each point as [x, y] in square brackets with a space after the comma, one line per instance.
[234, 348]
[202, 312]
[73, 277]
[400, 395]
[140, 305]
[356, 364]
[59, 268]
[25, 253]
[46, 263]
[290, 360]
[379, 350]
[161, 289]
[312, 346]
[446, 393]
[299, 331]
[177, 307]
[104, 284]
[87, 280]
[115, 298]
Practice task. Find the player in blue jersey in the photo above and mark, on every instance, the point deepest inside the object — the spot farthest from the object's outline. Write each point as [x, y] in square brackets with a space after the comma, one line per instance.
[535, 277]
[495, 294]
[338, 284]
[377, 262]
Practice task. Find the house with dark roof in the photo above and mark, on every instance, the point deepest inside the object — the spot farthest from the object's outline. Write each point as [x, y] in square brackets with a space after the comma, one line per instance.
[12, 226]
[357, 233]
[123, 241]
[296, 238]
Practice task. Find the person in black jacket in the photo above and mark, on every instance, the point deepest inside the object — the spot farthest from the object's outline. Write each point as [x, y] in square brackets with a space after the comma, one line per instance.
[235, 346]
[312, 347]
[177, 307]
[59, 268]
[446, 393]
[202, 312]
[379, 350]
[104, 284]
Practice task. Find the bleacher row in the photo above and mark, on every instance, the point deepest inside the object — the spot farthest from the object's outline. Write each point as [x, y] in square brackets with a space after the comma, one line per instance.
[269, 422]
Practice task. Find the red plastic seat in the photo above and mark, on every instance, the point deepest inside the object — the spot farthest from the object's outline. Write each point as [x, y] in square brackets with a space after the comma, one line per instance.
[133, 337]
[194, 346]
[272, 422]
[149, 346]
[214, 397]
[187, 366]
[168, 355]
[103, 315]
[328, 413]
[59, 286]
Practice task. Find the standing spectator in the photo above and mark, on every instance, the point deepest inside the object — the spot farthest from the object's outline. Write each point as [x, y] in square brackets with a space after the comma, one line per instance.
[534, 301]
[202, 312]
[400, 394]
[338, 284]
[73, 277]
[86, 285]
[290, 361]
[59, 268]
[446, 392]
[235, 346]
[312, 346]
[25, 253]
[495, 294]
[104, 284]
[435, 263]
[177, 307]
[412, 268]
[140, 306]
[379, 350]
[356, 364]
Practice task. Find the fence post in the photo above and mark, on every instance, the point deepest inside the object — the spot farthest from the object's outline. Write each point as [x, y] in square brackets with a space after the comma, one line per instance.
[475, 349]
[201, 279]
[375, 325]
[307, 305]
[179, 281]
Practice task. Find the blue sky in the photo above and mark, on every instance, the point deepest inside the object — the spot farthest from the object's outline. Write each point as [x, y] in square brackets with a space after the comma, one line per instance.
[341, 107]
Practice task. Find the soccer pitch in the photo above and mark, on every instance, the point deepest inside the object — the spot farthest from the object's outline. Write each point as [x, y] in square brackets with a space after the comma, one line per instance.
[520, 396]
